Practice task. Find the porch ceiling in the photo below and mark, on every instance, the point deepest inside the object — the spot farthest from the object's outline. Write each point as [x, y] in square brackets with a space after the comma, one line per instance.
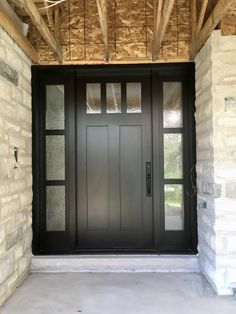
[167, 25]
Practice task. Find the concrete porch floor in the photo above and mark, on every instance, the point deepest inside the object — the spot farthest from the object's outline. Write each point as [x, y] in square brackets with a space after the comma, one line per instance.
[117, 293]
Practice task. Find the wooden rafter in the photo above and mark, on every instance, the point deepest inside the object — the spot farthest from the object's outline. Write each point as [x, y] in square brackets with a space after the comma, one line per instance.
[102, 13]
[201, 16]
[42, 27]
[56, 26]
[161, 17]
[216, 16]
[194, 17]
[48, 13]
[7, 23]
[157, 6]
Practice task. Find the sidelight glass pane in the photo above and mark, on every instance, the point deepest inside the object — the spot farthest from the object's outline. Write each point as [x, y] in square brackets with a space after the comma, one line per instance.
[55, 115]
[55, 157]
[174, 207]
[113, 91]
[172, 105]
[93, 98]
[55, 208]
[134, 97]
[173, 156]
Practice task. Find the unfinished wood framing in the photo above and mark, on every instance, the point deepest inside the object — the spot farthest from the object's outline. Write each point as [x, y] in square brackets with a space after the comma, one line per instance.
[49, 14]
[194, 17]
[217, 14]
[201, 16]
[160, 21]
[102, 13]
[7, 23]
[42, 27]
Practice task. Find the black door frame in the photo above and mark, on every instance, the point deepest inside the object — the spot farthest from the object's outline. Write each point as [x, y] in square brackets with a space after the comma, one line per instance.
[65, 242]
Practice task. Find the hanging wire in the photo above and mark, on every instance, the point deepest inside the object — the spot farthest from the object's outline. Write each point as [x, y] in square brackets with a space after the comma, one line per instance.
[53, 3]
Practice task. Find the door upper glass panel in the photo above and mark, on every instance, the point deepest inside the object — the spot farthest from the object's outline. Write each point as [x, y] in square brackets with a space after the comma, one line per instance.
[55, 115]
[93, 98]
[172, 105]
[113, 94]
[134, 97]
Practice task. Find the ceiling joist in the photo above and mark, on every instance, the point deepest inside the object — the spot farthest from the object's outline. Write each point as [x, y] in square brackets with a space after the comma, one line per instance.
[194, 17]
[42, 27]
[7, 23]
[161, 19]
[102, 13]
[48, 13]
[213, 20]
[201, 16]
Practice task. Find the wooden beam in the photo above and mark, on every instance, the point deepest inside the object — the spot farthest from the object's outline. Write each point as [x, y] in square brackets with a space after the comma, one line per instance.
[157, 6]
[48, 13]
[7, 23]
[57, 23]
[201, 16]
[42, 27]
[216, 16]
[159, 33]
[102, 13]
[194, 17]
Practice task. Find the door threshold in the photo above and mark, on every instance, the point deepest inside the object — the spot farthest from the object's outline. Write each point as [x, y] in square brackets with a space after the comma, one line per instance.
[115, 263]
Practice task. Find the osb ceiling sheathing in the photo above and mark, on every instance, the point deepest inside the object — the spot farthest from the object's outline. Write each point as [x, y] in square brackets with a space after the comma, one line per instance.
[130, 31]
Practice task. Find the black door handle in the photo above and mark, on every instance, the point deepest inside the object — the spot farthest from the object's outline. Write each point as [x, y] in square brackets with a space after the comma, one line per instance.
[148, 179]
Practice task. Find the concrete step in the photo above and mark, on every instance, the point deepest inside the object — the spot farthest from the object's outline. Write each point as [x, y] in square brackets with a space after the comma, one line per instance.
[115, 263]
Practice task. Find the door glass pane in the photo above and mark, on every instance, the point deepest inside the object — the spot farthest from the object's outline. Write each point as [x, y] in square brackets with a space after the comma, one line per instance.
[55, 107]
[113, 97]
[93, 98]
[174, 207]
[55, 208]
[172, 105]
[55, 157]
[173, 156]
[134, 97]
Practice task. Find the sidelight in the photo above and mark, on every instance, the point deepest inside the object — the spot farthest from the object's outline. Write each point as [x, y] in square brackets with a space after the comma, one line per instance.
[55, 107]
[173, 159]
[172, 105]
[55, 204]
[174, 208]
[55, 157]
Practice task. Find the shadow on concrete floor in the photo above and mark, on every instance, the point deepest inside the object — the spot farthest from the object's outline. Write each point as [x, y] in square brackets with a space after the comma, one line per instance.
[117, 293]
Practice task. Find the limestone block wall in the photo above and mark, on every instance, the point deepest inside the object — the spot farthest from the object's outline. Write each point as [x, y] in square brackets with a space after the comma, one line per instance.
[15, 184]
[216, 160]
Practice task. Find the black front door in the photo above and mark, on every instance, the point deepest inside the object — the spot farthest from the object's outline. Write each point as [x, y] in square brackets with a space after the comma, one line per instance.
[114, 158]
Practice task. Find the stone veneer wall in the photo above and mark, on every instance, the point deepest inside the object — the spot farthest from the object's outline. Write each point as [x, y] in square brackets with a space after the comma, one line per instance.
[216, 160]
[15, 186]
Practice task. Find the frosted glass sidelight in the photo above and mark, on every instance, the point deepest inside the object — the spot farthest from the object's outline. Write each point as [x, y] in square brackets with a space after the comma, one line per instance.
[173, 156]
[172, 105]
[174, 207]
[55, 115]
[55, 208]
[55, 157]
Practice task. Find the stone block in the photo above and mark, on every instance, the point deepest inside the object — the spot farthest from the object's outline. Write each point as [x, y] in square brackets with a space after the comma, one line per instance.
[13, 238]
[8, 73]
[6, 267]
